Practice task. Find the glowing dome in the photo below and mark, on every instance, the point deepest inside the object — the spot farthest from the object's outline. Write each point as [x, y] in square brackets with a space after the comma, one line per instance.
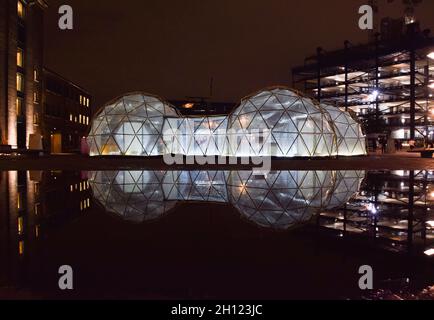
[275, 122]
[131, 125]
[292, 126]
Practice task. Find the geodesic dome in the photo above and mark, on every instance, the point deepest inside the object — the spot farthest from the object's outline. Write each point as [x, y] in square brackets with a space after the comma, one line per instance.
[292, 126]
[131, 125]
[349, 132]
[279, 200]
[196, 135]
[275, 122]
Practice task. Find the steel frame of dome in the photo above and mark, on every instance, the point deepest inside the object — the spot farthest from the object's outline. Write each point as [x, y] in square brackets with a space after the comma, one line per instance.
[276, 122]
[280, 200]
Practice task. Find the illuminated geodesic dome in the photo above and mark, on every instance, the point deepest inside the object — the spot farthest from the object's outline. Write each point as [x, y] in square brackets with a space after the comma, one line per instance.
[131, 125]
[351, 140]
[196, 135]
[275, 122]
[292, 126]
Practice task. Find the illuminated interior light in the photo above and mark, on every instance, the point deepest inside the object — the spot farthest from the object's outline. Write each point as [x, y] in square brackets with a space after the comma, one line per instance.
[151, 133]
[188, 105]
[429, 252]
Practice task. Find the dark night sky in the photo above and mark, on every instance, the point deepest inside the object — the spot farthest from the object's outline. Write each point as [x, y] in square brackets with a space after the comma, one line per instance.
[172, 48]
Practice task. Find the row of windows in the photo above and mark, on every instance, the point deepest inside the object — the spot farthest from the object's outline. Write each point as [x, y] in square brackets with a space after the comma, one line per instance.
[82, 186]
[84, 101]
[82, 119]
[85, 204]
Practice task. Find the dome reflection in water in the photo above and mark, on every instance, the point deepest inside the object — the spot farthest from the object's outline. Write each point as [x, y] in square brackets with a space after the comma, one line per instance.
[280, 200]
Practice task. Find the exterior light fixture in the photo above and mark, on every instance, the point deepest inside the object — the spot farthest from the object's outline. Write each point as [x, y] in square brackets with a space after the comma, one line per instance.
[431, 85]
[431, 55]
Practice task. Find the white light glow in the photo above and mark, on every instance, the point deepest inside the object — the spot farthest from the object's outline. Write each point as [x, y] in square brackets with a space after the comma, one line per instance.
[431, 55]
[429, 252]
[272, 122]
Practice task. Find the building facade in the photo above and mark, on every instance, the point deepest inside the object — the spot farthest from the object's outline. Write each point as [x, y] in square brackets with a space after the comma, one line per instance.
[66, 114]
[30, 203]
[38, 108]
[388, 83]
[21, 55]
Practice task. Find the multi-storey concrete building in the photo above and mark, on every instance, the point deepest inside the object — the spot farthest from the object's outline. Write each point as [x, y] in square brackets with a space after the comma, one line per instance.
[388, 83]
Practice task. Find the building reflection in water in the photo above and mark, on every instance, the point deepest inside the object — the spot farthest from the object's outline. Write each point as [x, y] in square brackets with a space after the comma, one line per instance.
[394, 209]
[30, 202]
[280, 199]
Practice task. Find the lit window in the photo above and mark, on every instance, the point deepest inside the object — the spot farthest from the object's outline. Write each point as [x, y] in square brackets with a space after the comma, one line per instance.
[37, 231]
[36, 118]
[20, 82]
[18, 200]
[81, 99]
[19, 103]
[88, 102]
[35, 75]
[75, 119]
[21, 248]
[79, 117]
[71, 118]
[20, 9]
[71, 188]
[37, 209]
[20, 58]
[88, 203]
[20, 225]
[36, 97]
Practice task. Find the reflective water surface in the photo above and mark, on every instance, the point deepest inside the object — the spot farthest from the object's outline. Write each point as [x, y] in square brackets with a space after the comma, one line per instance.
[215, 234]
